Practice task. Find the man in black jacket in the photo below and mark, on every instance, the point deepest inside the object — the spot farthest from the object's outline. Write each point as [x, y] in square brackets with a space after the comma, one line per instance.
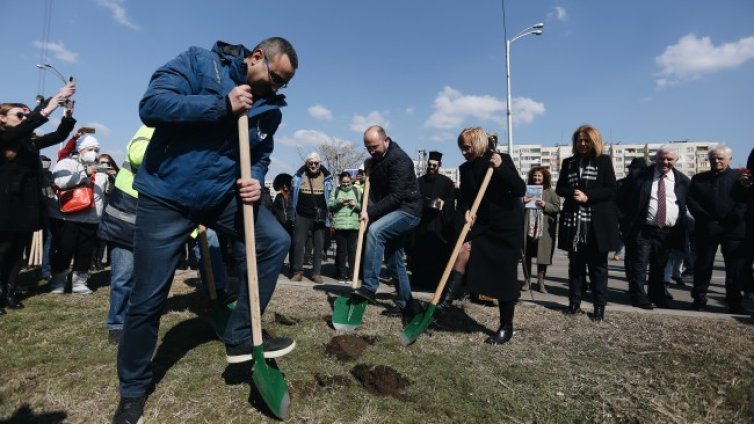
[653, 201]
[717, 203]
[395, 208]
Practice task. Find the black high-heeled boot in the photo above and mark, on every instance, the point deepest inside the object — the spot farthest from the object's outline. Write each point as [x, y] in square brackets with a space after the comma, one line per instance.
[453, 291]
[599, 313]
[505, 332]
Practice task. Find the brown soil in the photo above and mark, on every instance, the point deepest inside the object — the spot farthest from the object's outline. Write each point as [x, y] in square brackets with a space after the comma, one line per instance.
[381, 380]
[348, 347]
[323, 383]
[285, 319]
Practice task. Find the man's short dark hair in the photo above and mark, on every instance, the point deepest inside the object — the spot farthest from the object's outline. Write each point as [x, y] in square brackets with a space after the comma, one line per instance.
[276, 46]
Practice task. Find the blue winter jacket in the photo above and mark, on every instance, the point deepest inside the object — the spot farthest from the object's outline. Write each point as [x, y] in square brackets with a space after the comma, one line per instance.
[193, 158]
[296, 187]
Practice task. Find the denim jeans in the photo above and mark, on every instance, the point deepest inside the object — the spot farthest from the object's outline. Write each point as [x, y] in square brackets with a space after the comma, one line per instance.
[216, 259]
[385, 239]
[46, 271]
[161, 232]
[121, 283]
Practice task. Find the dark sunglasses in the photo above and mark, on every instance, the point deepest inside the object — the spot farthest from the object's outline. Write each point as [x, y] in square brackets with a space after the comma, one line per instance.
[20, 115]
[275, 79]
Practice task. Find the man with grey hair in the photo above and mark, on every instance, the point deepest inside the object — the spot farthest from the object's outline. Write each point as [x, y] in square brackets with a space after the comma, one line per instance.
[717, 202]
[653, 201]
[311, 189]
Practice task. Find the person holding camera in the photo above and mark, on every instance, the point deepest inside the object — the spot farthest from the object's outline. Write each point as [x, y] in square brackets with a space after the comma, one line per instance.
[345, 205]
[491, 252]
[311, 188]
[21, 181]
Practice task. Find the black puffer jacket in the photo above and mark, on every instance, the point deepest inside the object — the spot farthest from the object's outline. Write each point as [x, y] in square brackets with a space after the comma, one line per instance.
[393, 184]
[21, 172]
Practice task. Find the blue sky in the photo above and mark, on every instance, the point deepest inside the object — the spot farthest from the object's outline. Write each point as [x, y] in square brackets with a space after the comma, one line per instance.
[640, 71]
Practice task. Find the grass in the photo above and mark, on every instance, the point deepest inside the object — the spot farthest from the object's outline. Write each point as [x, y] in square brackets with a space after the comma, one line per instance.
[634, 368]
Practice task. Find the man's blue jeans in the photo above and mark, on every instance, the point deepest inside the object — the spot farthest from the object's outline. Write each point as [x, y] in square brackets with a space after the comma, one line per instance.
[216, 260]
[385, 239]
[121, 284]
[161, 231]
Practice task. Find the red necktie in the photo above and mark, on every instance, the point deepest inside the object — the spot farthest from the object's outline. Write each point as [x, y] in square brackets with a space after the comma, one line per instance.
[661, 202]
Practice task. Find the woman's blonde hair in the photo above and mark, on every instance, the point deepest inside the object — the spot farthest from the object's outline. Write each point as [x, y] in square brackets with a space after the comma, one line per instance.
[592, 135]
[478, 138]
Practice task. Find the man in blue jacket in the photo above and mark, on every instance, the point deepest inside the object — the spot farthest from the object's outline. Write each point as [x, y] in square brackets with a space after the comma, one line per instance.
[191, 175]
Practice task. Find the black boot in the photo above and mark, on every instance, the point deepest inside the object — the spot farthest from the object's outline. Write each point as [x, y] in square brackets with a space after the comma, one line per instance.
[453, 291]
[505, 332]
[11, 302]
[573, 308]
[599, 313]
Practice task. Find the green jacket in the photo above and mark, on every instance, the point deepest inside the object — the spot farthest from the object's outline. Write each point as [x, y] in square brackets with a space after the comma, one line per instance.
[345, 217]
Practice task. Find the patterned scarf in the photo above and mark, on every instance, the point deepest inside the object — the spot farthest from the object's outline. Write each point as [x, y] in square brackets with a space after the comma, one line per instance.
[580, 173]
[536, 221]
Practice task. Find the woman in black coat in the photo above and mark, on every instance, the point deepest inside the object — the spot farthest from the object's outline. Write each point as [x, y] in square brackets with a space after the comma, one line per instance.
[22, 210]
[497, 229]
[589, 222]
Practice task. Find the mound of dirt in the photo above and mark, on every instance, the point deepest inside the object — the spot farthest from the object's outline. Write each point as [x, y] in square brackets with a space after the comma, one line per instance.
[381, 380]
[348, 347]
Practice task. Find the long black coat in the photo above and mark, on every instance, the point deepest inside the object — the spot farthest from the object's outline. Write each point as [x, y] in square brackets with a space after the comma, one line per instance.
[633, 200]
[21, 177]
[718, 197]
[497, 236]
[601, 193]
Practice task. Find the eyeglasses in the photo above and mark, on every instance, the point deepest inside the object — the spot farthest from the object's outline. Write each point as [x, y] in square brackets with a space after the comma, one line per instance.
[21, 115]
[275, 79]
[313, 163]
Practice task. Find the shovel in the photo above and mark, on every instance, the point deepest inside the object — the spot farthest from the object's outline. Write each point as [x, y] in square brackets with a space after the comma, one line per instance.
[218, 314]
[421, 321]
[269, 381]
[347, 310]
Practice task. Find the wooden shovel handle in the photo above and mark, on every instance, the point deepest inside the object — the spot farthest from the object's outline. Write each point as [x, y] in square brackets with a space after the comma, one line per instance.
[248, 232]
[462, 236]
[207, 260]
[360, 240]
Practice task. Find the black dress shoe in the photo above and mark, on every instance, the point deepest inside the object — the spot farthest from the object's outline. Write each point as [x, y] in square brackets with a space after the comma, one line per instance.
[599, 313]
[502, 335]
[393, 311]
[12, 303]
[644, 305]
[573, 309]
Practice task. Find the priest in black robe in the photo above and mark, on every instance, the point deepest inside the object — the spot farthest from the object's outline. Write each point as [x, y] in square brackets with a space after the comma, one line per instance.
[431, 246]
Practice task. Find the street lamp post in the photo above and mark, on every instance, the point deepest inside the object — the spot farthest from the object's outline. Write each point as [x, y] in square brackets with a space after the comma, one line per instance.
[535, 29]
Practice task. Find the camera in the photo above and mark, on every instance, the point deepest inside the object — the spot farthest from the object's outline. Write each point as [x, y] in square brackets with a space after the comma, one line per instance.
[101, 167]
[492, 142]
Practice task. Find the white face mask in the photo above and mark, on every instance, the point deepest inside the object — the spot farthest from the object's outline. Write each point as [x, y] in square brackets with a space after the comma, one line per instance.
[88, 157]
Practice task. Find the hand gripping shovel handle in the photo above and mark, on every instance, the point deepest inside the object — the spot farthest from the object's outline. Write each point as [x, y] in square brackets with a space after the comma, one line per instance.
[462, 236]
[355, 284]
[248, 230]
[208, 271]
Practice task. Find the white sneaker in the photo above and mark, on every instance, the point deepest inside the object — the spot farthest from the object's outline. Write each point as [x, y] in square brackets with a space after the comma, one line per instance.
[79, 283]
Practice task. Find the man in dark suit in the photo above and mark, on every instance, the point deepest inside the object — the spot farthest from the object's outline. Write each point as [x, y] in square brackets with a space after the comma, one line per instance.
[717, 202]
[653, 201]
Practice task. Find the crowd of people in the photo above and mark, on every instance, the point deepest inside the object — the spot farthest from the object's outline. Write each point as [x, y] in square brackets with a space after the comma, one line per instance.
[149, 208]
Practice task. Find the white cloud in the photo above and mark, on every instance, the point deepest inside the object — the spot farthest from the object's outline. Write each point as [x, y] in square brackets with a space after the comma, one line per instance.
[360, 123]
[117, 7]
[692, 57]
[320, 112]
[452, 108]
[309, 138]
[558, 13]
[58, 50]
[410, 110]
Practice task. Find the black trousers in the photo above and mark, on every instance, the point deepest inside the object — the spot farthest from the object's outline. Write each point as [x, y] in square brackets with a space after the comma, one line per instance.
[585, 256]
[300, 233]
[346, 241]
[734, 255]
[11, 257]
[652, 250]
[73, 240]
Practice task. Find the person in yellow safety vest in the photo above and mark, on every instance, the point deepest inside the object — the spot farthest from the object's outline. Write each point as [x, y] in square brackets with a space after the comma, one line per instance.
[117, 228]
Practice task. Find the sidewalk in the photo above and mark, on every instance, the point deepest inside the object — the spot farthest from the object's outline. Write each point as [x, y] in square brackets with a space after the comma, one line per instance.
[557, 290]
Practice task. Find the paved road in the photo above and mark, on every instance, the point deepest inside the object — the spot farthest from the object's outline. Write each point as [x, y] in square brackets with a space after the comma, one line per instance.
[557, 287]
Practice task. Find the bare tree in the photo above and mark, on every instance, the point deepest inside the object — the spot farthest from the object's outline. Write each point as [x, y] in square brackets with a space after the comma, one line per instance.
[338, 155]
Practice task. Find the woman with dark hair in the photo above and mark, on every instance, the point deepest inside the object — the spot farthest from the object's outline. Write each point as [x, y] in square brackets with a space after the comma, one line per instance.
[22, 210]
[540, 226]
[492, 249]
[105, 164]
[589, 224]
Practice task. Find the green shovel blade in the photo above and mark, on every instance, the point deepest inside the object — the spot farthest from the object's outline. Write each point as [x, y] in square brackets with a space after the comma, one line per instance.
[217, 317]
[348, 313]
[270, 384]
[417, 326]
